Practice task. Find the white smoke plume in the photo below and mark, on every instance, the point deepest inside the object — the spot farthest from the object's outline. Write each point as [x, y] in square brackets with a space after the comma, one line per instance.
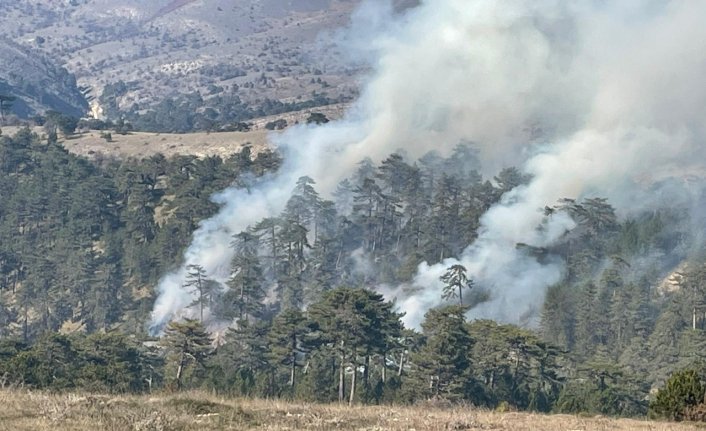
[590, 97]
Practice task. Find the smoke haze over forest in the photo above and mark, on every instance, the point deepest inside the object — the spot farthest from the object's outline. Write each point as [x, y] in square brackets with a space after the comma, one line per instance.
[589, 98]
[482, 203]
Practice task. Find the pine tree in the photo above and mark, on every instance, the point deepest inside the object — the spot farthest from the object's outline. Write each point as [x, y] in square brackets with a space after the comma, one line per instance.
[246, 292]
[442, 365]
[442, 224]
[614, 289]
[663, 341]
[343, 197]
[188, 345]
[200, 285]
[290, 289]
[455, 280]
[354, 322]
[509, 178]
[558, 316]
[367, 198]
[587, 334]
[305, 205]
[242, 365]
[286, 342]
[414, 212]
[268, 230]
[431, 165]
[463, 162]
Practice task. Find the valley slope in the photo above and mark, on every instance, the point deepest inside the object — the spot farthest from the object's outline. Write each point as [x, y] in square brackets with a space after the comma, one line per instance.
[257, 50]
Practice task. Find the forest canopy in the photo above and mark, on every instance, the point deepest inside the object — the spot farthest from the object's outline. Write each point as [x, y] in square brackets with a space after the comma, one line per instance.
[83, 244]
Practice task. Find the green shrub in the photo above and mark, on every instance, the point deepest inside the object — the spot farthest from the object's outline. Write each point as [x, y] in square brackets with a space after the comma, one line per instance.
[683, 390]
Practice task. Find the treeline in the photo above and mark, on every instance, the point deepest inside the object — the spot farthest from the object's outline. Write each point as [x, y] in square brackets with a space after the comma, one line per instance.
[82, 245]
[620, 330]
[349, 346]
[100, 362]
[218, 111]
[383, 223]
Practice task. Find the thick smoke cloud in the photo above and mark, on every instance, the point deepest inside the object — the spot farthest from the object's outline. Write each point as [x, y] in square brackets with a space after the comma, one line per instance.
[590, 98]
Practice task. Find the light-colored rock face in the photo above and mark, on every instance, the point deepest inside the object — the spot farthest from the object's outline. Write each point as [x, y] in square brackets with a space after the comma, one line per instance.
[673, 280]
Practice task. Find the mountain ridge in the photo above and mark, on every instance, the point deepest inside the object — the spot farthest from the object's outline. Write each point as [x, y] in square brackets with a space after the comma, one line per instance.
[255, 50]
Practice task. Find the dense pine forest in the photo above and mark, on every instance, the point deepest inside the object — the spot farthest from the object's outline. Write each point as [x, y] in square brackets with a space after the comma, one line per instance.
[83, 244]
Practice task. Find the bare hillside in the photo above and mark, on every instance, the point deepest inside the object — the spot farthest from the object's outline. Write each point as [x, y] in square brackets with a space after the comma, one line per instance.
[92, 144]
[140, 145]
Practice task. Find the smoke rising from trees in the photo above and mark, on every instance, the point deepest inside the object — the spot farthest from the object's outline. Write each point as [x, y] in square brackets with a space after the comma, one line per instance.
[590, 98]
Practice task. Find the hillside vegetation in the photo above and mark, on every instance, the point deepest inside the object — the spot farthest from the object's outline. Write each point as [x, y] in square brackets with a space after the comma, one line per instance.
[68, 226]
[83, 245]
[175, 65]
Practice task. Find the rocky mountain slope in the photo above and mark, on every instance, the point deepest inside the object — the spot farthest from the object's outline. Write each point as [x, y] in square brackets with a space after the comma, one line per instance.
[253, 49]
[36, 82]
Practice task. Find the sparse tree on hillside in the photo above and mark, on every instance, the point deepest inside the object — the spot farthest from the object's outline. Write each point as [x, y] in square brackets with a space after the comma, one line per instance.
[205, 289]
[317, 118]
[455, 280]
[65, 123]
[6, 102]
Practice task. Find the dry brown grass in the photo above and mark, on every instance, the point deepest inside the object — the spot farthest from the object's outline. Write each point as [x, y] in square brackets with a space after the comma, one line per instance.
[23, 410]
[143, 144]
[90, 144]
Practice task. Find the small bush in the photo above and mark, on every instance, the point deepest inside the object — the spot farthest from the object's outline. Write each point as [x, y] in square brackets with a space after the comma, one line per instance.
[317, 118]
[276, 125]
[683, 391]
[195, 406]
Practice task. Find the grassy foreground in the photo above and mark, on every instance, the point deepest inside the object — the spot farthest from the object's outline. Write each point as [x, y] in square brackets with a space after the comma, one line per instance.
[23, 410]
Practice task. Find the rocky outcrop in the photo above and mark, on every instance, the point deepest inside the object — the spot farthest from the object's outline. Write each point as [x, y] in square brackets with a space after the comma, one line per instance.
[37, 83]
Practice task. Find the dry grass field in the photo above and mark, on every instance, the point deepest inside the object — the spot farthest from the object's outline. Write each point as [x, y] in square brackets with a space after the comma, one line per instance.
[90, 144]
[144, 144]
[23, 410]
